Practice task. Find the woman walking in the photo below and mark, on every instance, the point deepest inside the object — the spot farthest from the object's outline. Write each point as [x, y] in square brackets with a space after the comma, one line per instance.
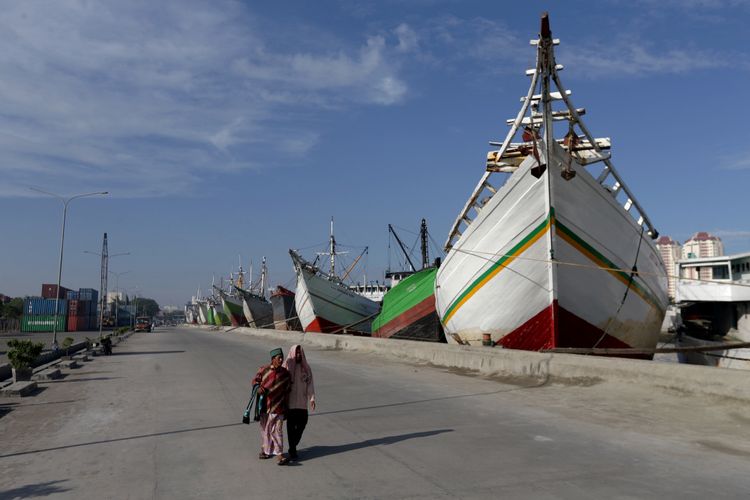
[302, 392]
[274, 382]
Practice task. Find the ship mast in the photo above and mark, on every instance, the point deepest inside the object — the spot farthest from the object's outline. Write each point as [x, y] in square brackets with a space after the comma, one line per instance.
[333, 251]
[403, 249]
[423, 238]
[263, 272]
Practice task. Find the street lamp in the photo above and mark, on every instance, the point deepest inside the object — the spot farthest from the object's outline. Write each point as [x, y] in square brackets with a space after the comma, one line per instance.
[134, 311]
[65, 202]
[117, 293]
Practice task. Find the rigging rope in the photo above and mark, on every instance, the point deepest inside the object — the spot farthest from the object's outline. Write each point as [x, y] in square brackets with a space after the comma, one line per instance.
[481, 255]
[633, 270]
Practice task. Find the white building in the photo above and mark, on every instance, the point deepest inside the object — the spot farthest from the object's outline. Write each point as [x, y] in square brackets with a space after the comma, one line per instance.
[671, 253]
[701, 245]
[725, 300]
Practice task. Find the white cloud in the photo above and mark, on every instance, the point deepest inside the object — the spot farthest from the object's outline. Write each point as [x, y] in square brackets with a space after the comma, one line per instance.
[732, 234]
[407, 38]
[126, 95]
[629, 56]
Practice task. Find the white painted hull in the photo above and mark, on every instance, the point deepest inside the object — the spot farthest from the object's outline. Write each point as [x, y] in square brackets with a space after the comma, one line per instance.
[202, 314]
[498, 279]
[326, 306]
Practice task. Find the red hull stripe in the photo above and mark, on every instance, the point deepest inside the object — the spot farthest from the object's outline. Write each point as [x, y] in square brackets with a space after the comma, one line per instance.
[322, 325]
[406, 318]
[539, 332]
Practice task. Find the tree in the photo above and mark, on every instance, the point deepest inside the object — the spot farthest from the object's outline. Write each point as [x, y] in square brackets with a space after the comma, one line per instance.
[13, 309]
[147, 307]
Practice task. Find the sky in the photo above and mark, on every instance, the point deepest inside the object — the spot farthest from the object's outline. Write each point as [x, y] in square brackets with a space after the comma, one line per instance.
[230, 130]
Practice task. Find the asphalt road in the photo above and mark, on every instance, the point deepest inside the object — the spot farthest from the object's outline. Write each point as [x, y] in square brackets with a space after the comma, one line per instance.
[161, 419]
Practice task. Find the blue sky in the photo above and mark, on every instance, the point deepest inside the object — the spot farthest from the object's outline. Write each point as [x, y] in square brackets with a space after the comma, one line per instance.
[229, 128]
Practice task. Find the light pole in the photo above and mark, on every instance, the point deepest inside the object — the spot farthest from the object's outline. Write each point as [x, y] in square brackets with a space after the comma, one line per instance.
[102, 289]
[65, 202]
[117, 293]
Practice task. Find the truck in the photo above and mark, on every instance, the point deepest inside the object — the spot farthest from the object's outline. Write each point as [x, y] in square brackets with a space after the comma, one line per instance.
[143, 324]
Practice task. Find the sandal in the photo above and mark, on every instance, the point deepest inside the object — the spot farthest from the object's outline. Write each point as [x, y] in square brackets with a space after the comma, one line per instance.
[283, 461]
[263, 456]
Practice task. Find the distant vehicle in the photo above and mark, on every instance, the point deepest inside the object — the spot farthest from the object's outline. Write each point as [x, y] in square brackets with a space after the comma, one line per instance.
[143, 324]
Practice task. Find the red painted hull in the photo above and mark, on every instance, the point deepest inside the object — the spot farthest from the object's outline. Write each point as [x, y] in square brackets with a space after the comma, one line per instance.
[322, 325]
[410, 317]
[557, 327]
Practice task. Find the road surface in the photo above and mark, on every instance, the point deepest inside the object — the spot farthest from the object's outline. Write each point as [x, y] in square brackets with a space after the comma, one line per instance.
[161, 419]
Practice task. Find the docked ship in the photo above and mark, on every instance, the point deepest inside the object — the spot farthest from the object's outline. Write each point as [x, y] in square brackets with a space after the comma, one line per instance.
[232, 301]
[561, 254]
[324, 303]
[284, 312]
[255, 306]
[408, 309]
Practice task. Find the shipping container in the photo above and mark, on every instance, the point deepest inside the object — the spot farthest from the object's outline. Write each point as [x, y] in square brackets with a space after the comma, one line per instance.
[49, 291]
[42, 323]
[88, 294]
[72, 295]
[35, 306]
[78, 323]
[79, 307]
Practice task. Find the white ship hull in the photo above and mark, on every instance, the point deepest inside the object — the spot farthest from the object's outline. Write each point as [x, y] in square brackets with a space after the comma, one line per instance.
[202, 313]
[499, 279]
[327, 306]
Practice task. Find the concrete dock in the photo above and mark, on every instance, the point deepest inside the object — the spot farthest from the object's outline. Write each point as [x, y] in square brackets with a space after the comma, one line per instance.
[161, 419]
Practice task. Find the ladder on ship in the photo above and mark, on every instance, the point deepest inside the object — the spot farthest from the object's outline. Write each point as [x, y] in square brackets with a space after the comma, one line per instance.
[536, 114]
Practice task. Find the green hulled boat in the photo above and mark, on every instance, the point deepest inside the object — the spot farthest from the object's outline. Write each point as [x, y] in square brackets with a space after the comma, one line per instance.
[409, 310]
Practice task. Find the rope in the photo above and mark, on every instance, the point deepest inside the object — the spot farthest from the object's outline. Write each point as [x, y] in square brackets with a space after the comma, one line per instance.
[476, 253]
[658, 350]
[633, 270]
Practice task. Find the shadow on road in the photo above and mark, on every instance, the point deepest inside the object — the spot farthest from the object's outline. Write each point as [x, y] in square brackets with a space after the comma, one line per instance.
[115, 440]
[35, 490]
[134, 353]
[324, 451]
[90, 379]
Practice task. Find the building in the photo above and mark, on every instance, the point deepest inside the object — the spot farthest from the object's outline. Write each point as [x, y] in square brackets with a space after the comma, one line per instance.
[701, 245]
[671, 253]
[723, 302]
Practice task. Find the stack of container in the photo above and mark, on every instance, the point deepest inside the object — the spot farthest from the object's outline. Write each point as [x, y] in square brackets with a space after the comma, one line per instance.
[76, 310]
[49, 291]
[39, 314]
[82, 309]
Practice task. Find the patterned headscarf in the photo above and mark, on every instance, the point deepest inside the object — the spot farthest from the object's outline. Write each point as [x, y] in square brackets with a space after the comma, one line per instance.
[290, 363]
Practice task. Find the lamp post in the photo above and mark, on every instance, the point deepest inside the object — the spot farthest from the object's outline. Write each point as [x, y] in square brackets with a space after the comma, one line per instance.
[117, 294]
[103, 299]
[65, 202]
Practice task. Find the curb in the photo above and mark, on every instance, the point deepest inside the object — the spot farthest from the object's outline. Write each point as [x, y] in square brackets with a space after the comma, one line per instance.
[710, 381]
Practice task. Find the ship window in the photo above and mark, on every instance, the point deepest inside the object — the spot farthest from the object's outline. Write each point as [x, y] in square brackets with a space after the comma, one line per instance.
[720, 272]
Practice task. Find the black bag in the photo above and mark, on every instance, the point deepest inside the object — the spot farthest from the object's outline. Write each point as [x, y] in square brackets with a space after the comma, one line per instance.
[246, 414]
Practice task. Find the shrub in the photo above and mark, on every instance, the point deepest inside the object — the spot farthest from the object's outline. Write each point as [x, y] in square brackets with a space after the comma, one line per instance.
[22, 353]
[66, 343]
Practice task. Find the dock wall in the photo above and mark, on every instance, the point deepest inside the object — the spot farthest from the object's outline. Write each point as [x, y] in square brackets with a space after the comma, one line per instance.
[552, 367]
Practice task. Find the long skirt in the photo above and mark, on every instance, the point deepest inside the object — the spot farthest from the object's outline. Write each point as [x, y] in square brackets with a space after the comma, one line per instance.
[272, 433]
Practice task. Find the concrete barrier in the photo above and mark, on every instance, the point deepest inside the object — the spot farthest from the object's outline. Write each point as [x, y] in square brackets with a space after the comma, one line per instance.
[553, 367]
[18, 389]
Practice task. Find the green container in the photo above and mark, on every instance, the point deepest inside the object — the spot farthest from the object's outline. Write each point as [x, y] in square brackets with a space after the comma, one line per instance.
[43, 323]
